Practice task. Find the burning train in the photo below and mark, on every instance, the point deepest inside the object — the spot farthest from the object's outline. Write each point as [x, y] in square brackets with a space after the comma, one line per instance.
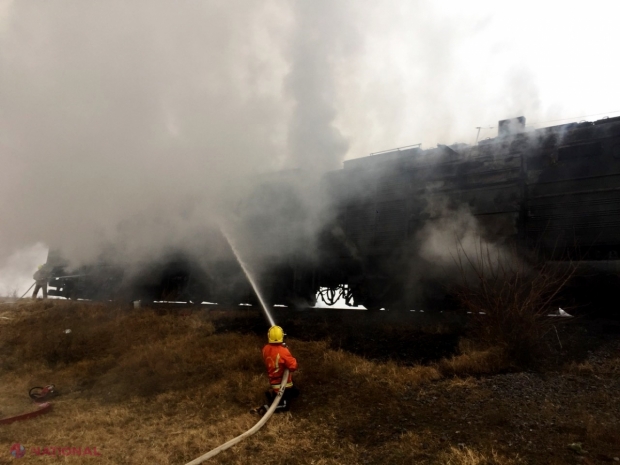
[553, 191]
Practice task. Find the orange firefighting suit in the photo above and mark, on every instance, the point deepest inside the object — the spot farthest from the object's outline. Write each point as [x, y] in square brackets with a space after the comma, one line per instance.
[277, 357]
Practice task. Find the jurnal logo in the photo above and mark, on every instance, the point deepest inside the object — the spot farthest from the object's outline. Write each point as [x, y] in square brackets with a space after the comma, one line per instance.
[18, 451]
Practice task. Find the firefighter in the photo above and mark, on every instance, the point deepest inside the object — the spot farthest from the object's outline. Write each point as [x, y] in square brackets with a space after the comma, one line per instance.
[277, 358]
[41, 276]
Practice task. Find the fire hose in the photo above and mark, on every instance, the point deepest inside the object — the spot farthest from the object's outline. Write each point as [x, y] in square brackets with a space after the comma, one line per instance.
[249, 432]
[31, 286]
[38, 395]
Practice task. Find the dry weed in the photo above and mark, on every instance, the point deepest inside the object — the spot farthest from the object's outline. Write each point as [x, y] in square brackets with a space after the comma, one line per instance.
[476, 362]
[580, 368]
[466, 456]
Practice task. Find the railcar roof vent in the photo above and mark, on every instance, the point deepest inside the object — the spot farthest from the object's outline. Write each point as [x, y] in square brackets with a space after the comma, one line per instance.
[508, 127]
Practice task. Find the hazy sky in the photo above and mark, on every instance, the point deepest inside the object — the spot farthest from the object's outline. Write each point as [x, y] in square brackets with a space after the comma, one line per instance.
[130, 119]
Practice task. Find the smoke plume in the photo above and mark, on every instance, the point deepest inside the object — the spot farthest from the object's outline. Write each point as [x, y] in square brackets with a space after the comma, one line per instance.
[131, 123]
[139, 123]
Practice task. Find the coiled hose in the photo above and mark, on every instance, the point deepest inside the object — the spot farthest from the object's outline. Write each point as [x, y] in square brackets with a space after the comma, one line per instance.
[249, 432]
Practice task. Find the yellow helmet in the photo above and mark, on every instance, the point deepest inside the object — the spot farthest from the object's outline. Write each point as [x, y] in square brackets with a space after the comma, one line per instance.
[275, 335]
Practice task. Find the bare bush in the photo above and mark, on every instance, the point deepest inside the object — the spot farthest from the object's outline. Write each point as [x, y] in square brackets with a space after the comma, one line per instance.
[509, 300]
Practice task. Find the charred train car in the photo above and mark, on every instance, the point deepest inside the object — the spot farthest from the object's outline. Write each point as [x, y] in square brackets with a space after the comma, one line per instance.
[555, 190]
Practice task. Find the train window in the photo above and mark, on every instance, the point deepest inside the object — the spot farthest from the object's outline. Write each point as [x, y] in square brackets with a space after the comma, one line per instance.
[615, 150]
[578, 152]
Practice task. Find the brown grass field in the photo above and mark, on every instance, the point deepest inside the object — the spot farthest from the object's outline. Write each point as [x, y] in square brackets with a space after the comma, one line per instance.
[148, 386]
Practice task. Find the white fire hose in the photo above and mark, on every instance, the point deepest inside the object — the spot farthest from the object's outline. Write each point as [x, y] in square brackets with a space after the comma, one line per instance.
[31, 286]
[249, 432]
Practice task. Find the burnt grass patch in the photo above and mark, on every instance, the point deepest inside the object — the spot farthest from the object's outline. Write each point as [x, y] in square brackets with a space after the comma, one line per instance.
[403, 337]
[418, 338]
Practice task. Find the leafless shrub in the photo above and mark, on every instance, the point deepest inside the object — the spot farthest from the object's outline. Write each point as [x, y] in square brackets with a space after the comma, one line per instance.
[508, 300]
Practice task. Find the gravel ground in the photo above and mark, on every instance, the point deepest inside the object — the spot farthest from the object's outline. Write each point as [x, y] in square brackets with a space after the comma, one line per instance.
[533, 416]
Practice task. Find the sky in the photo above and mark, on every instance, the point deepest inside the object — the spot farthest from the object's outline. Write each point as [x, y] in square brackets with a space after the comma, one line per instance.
[132, 122]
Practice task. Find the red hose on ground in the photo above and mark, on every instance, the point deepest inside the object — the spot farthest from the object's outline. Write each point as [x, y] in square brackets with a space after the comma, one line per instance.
[43, 408]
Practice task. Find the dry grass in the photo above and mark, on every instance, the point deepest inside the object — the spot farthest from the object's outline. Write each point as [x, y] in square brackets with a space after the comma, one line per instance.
[465, 456]
[581, 368]
[473, 362]
[149, 388]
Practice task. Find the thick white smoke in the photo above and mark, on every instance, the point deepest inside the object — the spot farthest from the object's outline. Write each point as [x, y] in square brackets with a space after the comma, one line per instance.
[323, 38]
[16, 274]
[130, 122]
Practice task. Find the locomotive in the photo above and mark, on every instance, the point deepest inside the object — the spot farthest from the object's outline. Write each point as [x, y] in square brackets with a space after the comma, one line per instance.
[554, 192]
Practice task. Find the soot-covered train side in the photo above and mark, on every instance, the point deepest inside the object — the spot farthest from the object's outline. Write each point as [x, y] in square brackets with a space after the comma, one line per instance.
[553, 191]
